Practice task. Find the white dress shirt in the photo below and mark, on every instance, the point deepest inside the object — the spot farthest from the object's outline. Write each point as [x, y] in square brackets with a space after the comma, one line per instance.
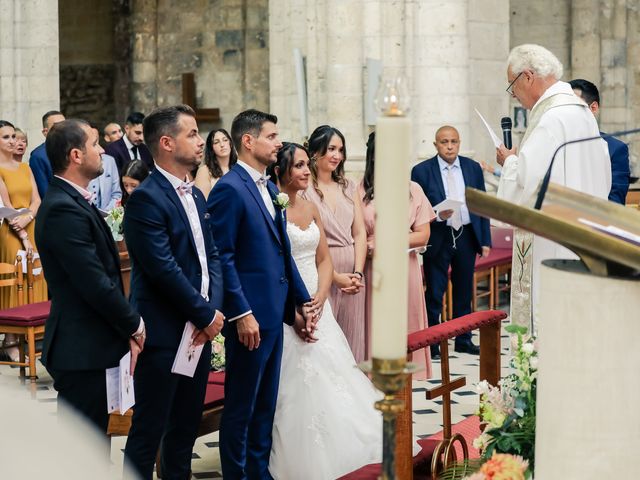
[262, 188]
[460, 186]
[189, 205]
[129, 147]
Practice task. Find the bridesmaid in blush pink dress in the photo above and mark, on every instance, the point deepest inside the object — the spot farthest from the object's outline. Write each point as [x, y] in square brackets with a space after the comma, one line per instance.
[420, 215]
[340, 208]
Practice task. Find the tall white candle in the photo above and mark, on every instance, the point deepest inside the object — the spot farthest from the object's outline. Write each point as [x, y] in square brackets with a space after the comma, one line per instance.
[390, 261]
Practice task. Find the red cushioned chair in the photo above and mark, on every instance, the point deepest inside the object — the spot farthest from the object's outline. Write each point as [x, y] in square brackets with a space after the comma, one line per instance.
[27, 321]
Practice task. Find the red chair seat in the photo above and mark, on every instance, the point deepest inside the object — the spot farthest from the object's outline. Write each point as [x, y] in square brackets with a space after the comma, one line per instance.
[214, 396]
[216, 377]
[31, 315]
[497, 256]
[469, 428]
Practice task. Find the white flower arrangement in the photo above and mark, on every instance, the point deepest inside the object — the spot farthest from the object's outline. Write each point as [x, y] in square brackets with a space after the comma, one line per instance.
[114, 222]
[217, 353]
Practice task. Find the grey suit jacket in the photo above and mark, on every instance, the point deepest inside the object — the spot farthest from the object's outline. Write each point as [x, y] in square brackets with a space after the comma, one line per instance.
[107, 186]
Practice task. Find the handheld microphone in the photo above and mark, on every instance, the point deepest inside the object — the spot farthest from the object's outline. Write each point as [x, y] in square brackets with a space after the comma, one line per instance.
[547, 176]
[506, 124]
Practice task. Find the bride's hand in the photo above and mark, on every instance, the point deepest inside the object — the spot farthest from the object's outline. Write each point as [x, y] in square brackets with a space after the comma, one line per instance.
[303, 330]
[317, 304]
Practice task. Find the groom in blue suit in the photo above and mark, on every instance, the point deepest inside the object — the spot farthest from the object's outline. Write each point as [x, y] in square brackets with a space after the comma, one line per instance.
[262, 289]
[176, 278]
[454, 242]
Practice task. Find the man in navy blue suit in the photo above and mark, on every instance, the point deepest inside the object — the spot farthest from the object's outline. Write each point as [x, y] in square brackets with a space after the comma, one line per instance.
[263, 289]
[176, 278]
[456, 238]
[39, 161]
[131, 145]
[618, 150]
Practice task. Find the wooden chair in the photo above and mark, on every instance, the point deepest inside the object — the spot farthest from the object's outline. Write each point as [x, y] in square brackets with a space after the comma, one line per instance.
[25, 320]
[12, 276]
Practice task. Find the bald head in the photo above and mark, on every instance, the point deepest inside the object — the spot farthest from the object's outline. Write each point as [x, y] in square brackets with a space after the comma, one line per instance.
[112, 132]
[447, 143]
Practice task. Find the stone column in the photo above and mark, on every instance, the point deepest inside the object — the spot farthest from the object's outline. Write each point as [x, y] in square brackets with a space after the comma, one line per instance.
[144, 61]
[29, 63]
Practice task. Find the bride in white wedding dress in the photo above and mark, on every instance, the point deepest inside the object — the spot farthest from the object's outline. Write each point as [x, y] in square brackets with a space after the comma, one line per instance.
[325, 423]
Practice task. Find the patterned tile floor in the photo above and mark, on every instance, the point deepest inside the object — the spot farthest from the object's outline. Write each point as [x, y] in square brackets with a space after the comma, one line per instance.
[427, 414]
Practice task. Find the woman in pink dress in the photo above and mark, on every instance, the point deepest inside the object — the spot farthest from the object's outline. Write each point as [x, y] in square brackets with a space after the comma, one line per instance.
[420, 215]
[340, 208]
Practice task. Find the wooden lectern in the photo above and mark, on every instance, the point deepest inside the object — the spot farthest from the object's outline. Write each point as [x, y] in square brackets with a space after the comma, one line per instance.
[588, 317]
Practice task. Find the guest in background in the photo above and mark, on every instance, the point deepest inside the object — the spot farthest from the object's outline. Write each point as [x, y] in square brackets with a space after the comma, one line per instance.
[131, 146]
[219, 157]
[106, 188]
[21, 145]
[112, 132]
[23, 193]
[618, 150]
[38, 161]
[456, 236]
[135, 173]
[420, 215]
[340, 208]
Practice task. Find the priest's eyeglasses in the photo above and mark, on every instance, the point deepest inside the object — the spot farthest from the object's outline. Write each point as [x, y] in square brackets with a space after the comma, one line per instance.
[510, 87]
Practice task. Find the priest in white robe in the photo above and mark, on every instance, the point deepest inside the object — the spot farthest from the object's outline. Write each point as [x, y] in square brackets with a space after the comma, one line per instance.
[556, 116]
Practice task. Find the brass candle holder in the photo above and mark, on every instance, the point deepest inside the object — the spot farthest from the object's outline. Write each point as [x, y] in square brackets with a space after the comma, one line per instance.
[389, 376]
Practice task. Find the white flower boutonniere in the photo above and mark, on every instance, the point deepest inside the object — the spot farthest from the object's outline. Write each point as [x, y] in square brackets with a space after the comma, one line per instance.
[281, 201]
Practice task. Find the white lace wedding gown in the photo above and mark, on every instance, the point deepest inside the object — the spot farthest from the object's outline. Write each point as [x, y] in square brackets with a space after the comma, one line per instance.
[325, 423]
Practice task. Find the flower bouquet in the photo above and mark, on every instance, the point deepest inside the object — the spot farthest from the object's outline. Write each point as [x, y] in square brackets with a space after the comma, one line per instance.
[217, 353]
[508, 419]
[509, 410]
[114, 221]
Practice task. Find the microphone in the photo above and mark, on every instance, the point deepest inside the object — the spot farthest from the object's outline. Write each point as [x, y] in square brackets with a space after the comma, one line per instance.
[547, 176]
[505, 123]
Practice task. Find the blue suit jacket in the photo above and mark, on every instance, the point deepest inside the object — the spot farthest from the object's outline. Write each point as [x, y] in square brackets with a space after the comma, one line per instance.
[427, 174]
[619, 154]
[259, 272]
[41, 168]
[107, 185]
[166, 274]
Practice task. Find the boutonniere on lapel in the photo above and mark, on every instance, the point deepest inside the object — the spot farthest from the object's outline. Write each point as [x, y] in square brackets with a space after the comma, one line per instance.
[281, 201]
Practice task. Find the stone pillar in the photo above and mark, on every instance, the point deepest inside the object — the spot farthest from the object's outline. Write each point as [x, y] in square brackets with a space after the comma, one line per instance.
[144, 62]
[488, 27]
[29, 63]
[585, 40]
[452, 53]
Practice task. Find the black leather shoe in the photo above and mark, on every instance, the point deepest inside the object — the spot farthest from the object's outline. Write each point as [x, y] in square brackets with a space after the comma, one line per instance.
[467, 347]
[435, 352]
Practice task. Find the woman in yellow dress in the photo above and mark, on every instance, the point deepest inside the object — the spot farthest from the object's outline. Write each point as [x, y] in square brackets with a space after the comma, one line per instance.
[17, 233]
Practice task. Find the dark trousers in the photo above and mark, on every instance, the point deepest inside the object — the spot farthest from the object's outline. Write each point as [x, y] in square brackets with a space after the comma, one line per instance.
[462, 260]
[251, 392]
[83, 392]
[166, 415]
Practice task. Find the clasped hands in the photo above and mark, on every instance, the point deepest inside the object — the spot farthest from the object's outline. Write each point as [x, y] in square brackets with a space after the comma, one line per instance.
[306, 318]
[208, 333]
[349, 283]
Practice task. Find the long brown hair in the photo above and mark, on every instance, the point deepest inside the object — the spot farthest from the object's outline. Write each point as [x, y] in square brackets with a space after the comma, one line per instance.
[210, 159]
[318, 144]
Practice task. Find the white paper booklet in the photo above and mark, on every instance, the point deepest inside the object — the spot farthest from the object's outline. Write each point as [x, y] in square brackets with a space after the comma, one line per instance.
[188, 355]
[9, 213]
[120, 394]
[448, 204]
[494, 138]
